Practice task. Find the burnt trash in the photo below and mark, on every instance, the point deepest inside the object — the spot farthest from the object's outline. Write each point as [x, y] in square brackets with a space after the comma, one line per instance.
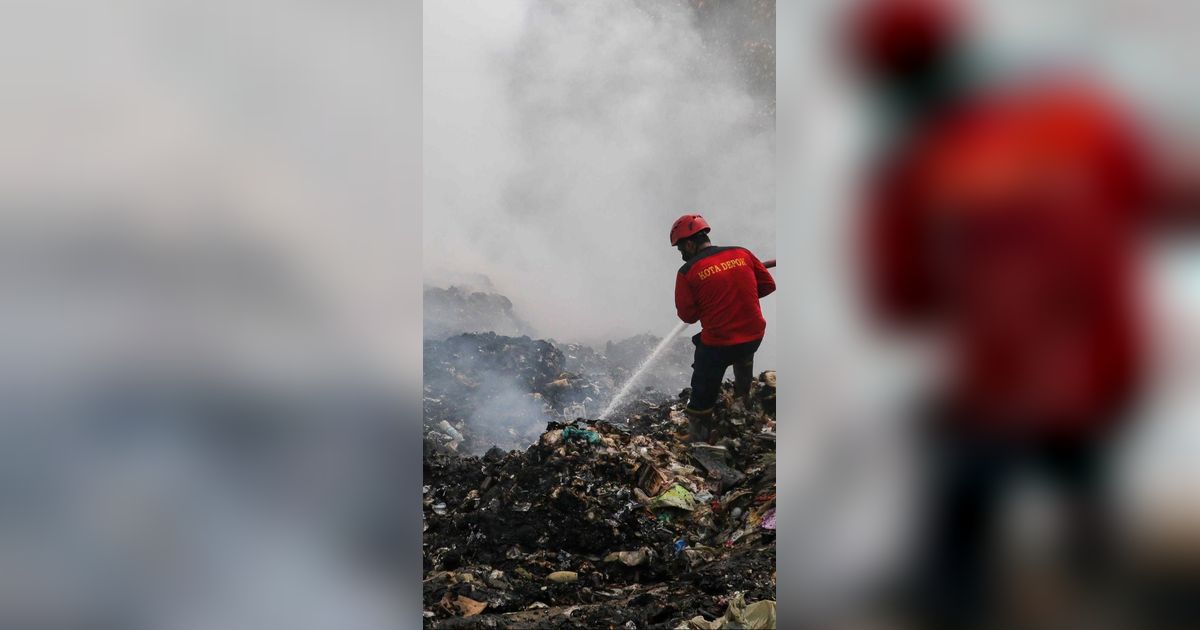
[598, 523]
[538, 514]
[713, 459]
[459, 309]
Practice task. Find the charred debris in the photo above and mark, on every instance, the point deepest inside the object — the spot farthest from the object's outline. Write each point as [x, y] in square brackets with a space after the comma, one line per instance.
[537, 514]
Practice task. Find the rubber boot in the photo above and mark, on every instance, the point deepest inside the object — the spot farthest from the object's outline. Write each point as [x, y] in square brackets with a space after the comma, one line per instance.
[716, 432]
[699, 426]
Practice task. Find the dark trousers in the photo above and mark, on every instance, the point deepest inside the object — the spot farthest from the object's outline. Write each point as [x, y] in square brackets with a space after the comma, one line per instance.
[708, 370]
[970, 475]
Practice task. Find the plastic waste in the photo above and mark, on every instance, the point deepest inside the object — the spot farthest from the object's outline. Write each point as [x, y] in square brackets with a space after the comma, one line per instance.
[632, 539]
[713, 459]
[629, 558]
[757, 616]
[768, 520]
[450, 430]
[676, 497]
[571, 432]
[699, 554]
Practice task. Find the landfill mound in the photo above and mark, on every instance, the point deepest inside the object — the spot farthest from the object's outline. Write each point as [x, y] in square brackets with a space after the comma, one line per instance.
[487, 389]
[458, 309]
[484, 390]
[606, 524]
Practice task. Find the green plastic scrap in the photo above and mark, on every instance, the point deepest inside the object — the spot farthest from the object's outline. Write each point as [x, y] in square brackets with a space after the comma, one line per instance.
[676, 497]
[757, 616]
[591, 436]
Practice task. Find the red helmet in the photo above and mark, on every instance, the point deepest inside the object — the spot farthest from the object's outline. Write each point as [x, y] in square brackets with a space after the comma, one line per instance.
[686, 226]
[892, 36]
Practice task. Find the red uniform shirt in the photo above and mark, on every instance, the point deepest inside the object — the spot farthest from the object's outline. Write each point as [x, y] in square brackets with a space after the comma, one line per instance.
[720, 288]
[1010, 224]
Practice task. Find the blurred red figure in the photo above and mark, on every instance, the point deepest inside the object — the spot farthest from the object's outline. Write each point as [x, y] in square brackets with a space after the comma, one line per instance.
[1011, 222]
[1007, 222]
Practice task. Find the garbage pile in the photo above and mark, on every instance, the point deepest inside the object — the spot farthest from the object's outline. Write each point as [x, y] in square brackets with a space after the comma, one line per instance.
[457, 309]
[585, 360]
[606, 524]
[485, 389]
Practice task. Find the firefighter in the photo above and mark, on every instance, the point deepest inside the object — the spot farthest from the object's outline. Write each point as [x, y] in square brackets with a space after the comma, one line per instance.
[720, 287]
[1006, 220]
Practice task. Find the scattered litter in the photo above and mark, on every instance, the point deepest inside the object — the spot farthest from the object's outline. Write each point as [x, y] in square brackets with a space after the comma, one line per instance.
[629, 558]
[450, 431]
[757, 616]
[768, 521]
[469, 607]
[677, 497]
[571, 432]
[713, 459]
[563, 577]
[583, 522]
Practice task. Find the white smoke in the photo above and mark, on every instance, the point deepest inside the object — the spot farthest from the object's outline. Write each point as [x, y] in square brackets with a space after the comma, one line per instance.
[563, 138]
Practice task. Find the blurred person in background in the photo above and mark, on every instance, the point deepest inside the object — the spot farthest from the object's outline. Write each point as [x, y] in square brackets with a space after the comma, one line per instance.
[1005, 220]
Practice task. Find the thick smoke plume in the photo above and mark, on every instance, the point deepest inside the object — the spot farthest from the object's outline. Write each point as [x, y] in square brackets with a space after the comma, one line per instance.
[562, 138]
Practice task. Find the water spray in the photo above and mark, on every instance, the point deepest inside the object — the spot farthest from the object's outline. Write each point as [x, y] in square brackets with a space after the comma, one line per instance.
[628, 387]
[662, 345]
